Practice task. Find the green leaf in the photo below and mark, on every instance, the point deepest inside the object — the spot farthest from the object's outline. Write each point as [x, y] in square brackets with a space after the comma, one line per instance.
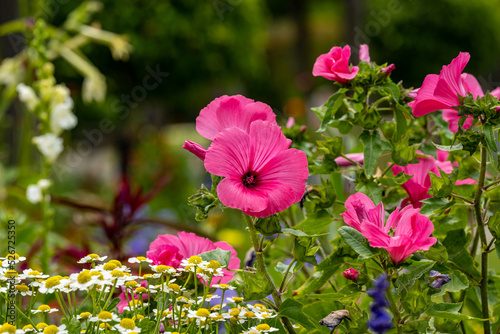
[268, 226]
[370, 189]
[281, 267]
[332, 105]
[449, 311]
[456, 243]
[112, 304]
[292, 309]
[299, 233]
[456, 147]
[397, 180]
[373, 150]
[442, 186]
[356, 240]
[405, 281]
[401, 124]
[315, 222]
[489, 135]
[435, 205]
[255, 285]
[494, 227]
[219, 255]
[317, 280]
[348, 293]
[392, 89]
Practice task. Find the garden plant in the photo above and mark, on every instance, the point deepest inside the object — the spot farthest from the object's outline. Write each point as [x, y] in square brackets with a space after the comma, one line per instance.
[412, 248]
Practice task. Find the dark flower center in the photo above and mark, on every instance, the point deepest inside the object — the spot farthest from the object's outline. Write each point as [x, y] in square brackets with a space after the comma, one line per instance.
[249, 179]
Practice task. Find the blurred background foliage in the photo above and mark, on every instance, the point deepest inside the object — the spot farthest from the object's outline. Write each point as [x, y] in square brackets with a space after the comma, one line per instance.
[264, 50]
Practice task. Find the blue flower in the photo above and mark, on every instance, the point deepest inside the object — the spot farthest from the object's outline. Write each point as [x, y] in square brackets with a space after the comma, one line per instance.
[380, 320]
[437, 280]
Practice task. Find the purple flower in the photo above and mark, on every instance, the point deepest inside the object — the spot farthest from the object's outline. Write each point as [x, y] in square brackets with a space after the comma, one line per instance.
[437, 280]
[380, 320]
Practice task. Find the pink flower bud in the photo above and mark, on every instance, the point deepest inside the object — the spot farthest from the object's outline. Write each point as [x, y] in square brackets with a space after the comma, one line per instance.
[351, 274]
[195, 148]
[387, 70]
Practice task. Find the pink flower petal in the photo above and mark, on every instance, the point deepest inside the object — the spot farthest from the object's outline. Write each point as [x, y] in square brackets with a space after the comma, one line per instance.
[364, 53]
[195, 148]
[234, 194]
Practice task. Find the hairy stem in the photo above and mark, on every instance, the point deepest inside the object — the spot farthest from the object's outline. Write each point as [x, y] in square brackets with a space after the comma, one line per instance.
[482, 236]
[261, 265]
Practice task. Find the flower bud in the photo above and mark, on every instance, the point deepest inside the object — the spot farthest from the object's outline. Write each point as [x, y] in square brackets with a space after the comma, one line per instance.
[437, 280]
[351, 274]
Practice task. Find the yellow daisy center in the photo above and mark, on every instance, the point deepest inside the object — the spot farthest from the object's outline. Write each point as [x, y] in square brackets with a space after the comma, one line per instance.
[131, 284]
[203, 312]
[50, 329]
[34, 273]
[52, 282]
[141, 258]
[237, 299]
[117, 273]
[249, 314]
[28, 327]
[98, 274]
[140, 290]
[195, 259]
[263, 327]
[44, 308]
[104, 315]
[8, 328]
[85, 314]
[174, 287]
[41, 326]
[213, 264]
[127, 323]
[109, 266]
[93, 256]
[84, 277]
[115, 262]
[11, 274]
[22, 288]
[234, 313]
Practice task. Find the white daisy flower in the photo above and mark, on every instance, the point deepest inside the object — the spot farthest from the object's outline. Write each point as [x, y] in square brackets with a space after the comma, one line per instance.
[127, 326]
[224, 286]
[105, 316]
[92, 258]
[139, 259]
[44, 309]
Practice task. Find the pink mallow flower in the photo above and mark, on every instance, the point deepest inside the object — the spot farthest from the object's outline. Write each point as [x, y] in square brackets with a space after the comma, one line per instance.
[351, 274]
[405, 231]
[231, 111]
[334, 65]
[170, 250]
[262, 176]
[418, 186]
[195, 148]
[356, 157]
[441, 92]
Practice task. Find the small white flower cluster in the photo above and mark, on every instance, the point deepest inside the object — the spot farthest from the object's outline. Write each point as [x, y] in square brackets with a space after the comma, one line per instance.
[54, 107]
[34, 192]
[142, 297]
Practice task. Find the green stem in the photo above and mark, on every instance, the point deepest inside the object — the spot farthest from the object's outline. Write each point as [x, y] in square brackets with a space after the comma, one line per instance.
[394, 309]
[282, 286]
[482, 236]
[261, 265]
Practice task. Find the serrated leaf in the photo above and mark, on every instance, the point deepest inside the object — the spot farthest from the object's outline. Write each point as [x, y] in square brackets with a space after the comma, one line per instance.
[449, 311]
[356, 240]
[401, 124]
[489, 135]
[449, 148]
[435, 205]
[456, 243]
[332, 105]
[299, 233]
[397, 180]
[282, 268]
[406, 280]
[255, 286]
[292, 309]
[373, 148]
[112, 304]
[345, 294]
[219, 255]
[315, 222]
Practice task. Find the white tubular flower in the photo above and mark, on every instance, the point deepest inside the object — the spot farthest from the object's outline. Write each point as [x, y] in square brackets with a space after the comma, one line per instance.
[9, 71]
[28, 96]
[50, 145]
[94, 88]
[61, 117]
[34, 193]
